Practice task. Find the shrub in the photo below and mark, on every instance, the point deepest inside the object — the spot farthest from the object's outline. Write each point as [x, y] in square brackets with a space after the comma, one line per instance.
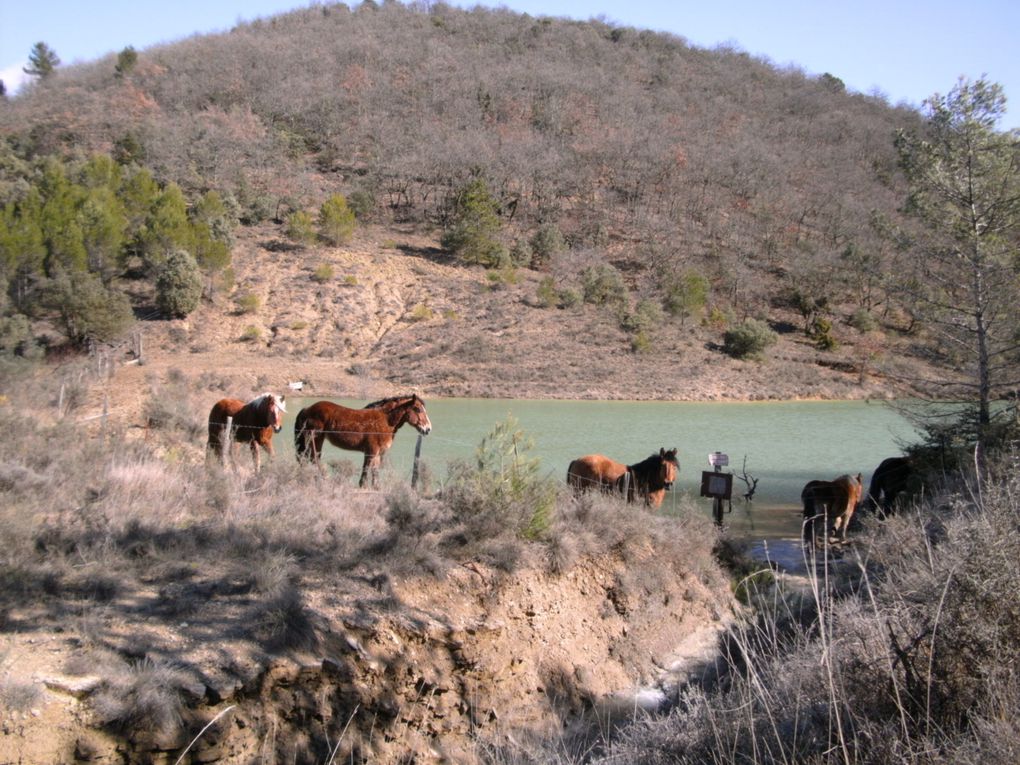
[546, 293]
[521, 254]
[570, 297]
[603, 285]
[421, 312]
[503, 490]
[641, 342]
[90, 311]
[644, 317]
[502, 276]
[251, 334]
[336, 220]
[362, 203]
[821, 333]
[178, 285]
[247, 302]
[16, 337]
[545, 243]
[687, 297]
[323, 273]
[749, 339]
[863, 321]
[300, 227]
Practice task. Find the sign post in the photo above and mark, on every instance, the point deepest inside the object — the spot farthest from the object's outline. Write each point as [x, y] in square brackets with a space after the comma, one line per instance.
[716, 484]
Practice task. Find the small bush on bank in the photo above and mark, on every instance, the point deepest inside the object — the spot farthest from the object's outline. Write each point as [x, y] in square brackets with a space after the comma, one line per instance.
[502, 491]
[748, 340]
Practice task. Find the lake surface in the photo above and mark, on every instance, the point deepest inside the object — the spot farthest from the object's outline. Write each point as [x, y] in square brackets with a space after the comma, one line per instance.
[785, 444]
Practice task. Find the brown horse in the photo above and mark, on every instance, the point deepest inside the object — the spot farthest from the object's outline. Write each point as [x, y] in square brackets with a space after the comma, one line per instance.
[835, 501]
[253, 423]
[650, 478]
[369, 430]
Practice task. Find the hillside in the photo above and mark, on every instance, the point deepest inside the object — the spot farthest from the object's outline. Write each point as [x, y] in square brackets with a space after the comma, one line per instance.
[637, 152]
[398, 316]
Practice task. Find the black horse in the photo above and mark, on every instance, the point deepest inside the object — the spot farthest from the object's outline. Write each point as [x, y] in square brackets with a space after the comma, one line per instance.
[891, 478]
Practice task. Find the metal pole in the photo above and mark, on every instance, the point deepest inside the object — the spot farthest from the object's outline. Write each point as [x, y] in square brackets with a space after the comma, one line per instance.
[226, 441]
[717, 511]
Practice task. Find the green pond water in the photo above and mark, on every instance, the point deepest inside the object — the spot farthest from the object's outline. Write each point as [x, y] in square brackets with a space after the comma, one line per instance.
[785, 444]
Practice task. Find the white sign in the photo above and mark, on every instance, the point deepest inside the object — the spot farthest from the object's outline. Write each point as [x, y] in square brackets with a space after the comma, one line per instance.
[718, 459]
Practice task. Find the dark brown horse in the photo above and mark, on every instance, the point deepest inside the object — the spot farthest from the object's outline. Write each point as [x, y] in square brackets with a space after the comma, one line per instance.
[650, 478]
[834, 501]
[892, 477]
[253, 423]
[369, 430]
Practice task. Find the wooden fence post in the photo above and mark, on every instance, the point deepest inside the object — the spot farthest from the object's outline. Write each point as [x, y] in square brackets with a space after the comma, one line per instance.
[417, 457]
[227, 440]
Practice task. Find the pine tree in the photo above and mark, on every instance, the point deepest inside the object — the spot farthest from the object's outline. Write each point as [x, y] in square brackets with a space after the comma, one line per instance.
[126, 61]
[42, 61]
[166, 227]
[474, 231]
[336, 220]
[964, 180]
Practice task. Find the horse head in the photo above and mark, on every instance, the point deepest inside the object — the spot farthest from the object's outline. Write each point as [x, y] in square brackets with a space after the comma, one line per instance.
[275, 407]
[670, 467]
[417, 416]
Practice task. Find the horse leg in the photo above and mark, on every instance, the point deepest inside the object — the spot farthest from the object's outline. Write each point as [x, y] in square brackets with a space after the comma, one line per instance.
[255, 454]
[364, 471]
[370, 468]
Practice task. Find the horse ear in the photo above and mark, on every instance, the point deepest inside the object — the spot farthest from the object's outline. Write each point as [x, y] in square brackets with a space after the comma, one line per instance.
[662, 451]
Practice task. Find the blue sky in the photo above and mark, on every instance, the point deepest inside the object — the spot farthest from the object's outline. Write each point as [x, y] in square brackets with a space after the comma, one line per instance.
[904, 50]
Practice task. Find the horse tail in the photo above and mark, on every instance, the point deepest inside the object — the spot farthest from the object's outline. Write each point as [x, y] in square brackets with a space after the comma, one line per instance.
[574, 478]
[808, 499]
[218, 436]
[626, 484]
[303, 447]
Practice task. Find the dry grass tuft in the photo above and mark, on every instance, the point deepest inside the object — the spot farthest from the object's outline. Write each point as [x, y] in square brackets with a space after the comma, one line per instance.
[144, 696]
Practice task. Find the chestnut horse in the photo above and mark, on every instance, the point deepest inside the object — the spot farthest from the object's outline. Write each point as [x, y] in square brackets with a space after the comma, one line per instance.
[369, 430]
[835, 501]
[650, 478]
[253, 423]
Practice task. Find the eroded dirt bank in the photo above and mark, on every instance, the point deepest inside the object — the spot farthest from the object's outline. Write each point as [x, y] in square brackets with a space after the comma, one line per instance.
[420, 669]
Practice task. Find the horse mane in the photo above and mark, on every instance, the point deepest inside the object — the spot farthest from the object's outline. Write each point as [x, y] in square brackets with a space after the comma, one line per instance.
[262, 402]
[384, 401]
[646, 464]
[645, 472]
